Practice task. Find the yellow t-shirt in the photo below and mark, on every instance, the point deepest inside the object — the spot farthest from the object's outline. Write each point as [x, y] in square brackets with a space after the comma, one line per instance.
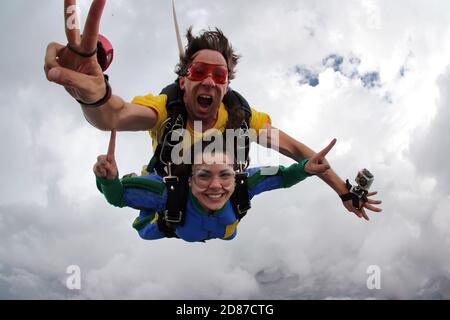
[258, 120]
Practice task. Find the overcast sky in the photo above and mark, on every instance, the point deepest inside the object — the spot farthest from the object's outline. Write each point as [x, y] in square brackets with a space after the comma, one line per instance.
[373, 74]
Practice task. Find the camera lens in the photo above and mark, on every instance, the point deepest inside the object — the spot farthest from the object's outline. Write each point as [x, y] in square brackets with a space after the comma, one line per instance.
[367, 173]
[362, 182]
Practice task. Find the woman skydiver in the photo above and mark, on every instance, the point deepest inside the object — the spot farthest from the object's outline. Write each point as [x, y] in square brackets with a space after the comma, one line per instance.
[209, 211]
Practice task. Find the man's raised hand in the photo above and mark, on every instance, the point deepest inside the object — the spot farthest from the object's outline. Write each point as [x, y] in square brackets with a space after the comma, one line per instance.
[75, 66]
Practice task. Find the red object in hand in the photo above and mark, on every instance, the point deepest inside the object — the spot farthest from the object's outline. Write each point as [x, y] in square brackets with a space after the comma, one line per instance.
[105, 52]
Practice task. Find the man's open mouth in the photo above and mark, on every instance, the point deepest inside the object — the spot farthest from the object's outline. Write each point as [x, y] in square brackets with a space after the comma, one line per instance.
[204, 101]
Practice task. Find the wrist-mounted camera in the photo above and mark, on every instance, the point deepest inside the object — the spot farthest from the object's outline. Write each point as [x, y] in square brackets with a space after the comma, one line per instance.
[364, 180]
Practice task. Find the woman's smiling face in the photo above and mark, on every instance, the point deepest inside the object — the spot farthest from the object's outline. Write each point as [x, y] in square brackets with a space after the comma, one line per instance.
[213, 180]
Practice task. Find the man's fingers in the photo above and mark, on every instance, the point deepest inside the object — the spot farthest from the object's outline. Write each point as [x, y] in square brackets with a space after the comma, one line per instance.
[71, 22]
[349, 206]
[364, 214]
[370, 202]
[51, 57]
[70, 78]
[360, 213]
[92, 26]
[372, 208]
[112, 145]
[327, 149]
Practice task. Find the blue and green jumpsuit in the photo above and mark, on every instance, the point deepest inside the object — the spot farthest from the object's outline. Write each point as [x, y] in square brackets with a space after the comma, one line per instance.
[148, 194]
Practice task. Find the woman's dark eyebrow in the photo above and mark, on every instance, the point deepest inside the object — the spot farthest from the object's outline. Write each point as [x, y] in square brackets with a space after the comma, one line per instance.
[203, 171]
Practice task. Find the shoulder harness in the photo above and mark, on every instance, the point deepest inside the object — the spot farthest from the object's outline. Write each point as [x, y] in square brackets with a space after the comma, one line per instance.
[177, 184]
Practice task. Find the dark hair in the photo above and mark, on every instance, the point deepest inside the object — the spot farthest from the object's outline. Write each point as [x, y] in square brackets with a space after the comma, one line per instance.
[227, 149]
[208, 39]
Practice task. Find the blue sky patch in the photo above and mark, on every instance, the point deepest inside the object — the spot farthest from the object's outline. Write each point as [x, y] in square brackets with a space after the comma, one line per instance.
[333, 61]
[307, 76]
[371, 79]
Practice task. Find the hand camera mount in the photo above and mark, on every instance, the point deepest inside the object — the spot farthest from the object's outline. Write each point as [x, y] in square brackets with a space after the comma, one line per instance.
[364, 180]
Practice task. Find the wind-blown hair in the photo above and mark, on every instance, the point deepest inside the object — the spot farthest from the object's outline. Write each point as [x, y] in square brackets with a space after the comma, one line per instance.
[208, 39]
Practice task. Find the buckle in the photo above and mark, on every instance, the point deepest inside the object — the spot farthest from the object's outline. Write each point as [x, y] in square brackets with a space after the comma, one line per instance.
[242, 174]
[173, 217]
[241, 177]
[170, 179]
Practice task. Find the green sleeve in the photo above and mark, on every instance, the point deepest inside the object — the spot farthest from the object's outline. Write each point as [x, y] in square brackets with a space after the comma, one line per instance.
[112, 190]
[294, 173]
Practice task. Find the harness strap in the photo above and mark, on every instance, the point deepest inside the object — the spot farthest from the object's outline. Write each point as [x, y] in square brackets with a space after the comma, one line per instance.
[176, 113]
[169, 231]
[235, 98]
[177, 186]
[176, 191]
[240, 199]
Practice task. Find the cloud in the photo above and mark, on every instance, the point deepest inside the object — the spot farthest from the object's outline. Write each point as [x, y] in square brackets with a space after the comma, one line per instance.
[429, 146]
[335, 62]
